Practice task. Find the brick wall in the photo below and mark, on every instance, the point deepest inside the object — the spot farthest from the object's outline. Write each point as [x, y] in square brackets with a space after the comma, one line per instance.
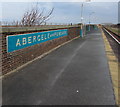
[12, 60]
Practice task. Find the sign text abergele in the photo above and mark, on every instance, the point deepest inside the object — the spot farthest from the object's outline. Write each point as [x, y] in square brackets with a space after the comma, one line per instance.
[17, 42]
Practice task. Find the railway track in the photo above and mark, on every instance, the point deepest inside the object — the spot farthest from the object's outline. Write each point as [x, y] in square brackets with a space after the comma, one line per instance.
[114, 41]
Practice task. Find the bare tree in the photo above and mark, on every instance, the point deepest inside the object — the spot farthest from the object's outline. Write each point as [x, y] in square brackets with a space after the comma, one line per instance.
[35, 17]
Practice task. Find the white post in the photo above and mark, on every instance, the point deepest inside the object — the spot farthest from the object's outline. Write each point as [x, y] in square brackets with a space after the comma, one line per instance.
[82, 20]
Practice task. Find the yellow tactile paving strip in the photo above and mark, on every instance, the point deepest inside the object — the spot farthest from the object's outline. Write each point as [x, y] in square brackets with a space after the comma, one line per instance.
[113, 67]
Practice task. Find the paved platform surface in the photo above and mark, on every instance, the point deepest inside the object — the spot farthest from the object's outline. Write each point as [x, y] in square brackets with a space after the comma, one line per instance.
[75, 74]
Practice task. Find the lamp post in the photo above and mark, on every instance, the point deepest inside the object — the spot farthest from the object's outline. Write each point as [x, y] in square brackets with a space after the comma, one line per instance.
[81, 12]
[81, 20]
[89, 18]
[82, 16]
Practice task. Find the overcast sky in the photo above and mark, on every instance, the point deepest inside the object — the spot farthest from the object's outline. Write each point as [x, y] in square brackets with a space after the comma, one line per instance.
[64, 12]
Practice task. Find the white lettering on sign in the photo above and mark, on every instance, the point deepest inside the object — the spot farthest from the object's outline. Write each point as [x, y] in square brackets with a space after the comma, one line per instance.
[42, 37]
[32, 39]
[29, 40]
[48, 35]
[24, 41]
[38, 37]
[18, 43]
[45, 37]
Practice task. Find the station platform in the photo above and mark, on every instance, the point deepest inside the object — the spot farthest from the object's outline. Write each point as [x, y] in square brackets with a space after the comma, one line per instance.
[77, 73]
